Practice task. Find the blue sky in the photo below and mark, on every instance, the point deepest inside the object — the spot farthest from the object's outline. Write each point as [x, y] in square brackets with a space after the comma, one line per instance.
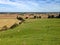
[29, 5]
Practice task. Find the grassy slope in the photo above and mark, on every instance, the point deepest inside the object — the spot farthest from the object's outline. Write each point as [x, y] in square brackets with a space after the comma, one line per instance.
[33, 32]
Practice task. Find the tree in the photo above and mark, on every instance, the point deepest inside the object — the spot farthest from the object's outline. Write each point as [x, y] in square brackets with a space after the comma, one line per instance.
[52, 16]
[35, 17]
[20, 18]
[39, 16]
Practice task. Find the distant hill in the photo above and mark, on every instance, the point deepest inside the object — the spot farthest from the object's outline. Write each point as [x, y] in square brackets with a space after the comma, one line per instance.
[29, 12]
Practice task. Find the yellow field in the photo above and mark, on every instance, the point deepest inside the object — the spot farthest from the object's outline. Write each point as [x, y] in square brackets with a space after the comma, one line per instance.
[8, 22]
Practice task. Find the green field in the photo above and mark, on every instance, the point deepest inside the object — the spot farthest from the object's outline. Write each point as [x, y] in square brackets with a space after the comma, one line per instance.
[33, 32]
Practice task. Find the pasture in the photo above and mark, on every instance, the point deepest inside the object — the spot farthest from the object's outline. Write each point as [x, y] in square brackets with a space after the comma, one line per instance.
[33, 32]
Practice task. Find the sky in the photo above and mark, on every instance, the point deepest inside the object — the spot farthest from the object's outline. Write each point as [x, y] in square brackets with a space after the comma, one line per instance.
[29, 5]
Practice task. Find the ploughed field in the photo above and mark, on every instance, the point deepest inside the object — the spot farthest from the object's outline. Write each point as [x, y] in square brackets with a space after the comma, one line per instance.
[8, 22]
[33, 32]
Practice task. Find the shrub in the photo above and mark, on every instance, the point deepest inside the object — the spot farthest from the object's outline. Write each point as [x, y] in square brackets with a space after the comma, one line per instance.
[20, 18]
[49, 17]
[52, 16]
[35, 17]
[4, 28]
[59, 16]
[26, 18]
[14, 25]
[39, 16]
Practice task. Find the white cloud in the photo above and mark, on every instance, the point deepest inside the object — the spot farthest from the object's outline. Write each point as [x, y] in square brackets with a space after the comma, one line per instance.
[28, 6]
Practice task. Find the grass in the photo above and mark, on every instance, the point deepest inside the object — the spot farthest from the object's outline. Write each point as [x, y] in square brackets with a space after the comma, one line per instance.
[33, 32]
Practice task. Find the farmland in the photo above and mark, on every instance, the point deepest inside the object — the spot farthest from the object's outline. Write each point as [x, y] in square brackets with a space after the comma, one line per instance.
[33, 32]
[8, 22]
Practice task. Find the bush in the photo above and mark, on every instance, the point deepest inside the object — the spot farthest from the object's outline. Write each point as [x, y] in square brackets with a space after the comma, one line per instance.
[39, 16]
[59, 16]
[14, 25]
[35, 17]
[20, 18]
[49, 16]
[26, 18]
[4, 27]
[52, 16]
